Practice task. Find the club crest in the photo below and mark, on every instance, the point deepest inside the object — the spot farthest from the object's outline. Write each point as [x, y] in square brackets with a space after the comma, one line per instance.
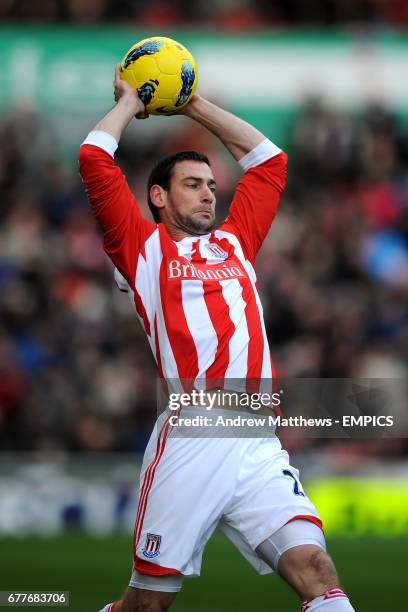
[152, 546]
[217, 251]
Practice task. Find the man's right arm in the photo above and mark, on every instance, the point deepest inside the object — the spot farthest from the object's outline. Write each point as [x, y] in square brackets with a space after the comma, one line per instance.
[112, 202]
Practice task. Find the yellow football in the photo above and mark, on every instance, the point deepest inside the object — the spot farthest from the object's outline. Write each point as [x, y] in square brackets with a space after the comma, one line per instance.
[163, 71]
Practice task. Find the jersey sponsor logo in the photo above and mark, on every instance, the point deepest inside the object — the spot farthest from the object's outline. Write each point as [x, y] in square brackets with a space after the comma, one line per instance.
[183, 271]
[217, 251]
[152, 545]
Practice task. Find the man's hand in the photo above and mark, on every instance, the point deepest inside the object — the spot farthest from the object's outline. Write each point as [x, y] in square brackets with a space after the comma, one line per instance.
[188, 109]
[124, 92]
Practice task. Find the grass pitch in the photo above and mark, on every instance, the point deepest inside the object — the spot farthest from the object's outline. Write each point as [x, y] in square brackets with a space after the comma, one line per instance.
[95, 571]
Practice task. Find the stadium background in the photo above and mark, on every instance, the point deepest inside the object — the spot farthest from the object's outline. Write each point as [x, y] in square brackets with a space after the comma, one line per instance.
[325, 80]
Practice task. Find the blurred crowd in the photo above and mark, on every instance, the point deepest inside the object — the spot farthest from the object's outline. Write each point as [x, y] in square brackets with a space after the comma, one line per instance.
[229, 14]
[75, 368]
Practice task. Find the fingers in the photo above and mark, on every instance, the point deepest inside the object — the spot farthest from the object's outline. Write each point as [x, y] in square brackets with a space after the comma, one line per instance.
[116, 83]
[117, 78]
[121, 88]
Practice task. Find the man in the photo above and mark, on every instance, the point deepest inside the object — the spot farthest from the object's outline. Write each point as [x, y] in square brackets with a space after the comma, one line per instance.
[195, 293]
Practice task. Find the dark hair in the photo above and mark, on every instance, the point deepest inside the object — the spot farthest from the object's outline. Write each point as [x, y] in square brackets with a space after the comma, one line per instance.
[163, 171]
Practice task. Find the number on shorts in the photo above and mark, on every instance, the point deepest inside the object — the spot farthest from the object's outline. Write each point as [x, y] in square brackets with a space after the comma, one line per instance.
[296, 485]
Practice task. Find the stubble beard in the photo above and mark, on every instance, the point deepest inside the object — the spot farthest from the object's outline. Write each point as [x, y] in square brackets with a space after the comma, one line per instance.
[191, 225]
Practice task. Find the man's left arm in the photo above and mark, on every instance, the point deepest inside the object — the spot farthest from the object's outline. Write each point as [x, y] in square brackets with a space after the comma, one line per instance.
[258, 193]
[236, 134]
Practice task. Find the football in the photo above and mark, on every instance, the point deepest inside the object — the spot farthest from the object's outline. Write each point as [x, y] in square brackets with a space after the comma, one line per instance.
[163, 71]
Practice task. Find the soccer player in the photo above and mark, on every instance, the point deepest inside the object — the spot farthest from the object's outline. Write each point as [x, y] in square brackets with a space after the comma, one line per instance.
[194, 290]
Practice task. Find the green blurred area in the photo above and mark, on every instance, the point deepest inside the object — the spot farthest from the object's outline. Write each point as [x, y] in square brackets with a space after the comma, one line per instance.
[351, 507]
[66, 73]
[95, 571]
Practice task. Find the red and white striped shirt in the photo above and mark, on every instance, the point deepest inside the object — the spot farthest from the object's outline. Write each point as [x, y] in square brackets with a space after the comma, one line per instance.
[196, 298]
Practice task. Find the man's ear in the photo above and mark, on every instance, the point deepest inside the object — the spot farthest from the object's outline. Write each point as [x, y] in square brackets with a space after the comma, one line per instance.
[158, 196]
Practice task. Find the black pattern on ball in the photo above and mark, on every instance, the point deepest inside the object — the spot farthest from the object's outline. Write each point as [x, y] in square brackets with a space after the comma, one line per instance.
[187, 76]
[146, 91]
[148, 48]
[162, 110]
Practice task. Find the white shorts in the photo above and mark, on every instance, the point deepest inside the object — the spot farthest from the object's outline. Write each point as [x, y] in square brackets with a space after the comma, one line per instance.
[190, 486]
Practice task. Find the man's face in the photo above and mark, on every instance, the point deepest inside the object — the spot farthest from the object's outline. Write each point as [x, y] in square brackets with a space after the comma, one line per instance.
[190, 202]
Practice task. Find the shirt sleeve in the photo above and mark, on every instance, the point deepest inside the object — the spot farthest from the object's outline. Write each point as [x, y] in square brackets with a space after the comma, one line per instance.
[113, 204]
[257, 196]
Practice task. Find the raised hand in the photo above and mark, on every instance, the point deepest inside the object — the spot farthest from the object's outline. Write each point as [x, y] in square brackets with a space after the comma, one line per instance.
[124, 91]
